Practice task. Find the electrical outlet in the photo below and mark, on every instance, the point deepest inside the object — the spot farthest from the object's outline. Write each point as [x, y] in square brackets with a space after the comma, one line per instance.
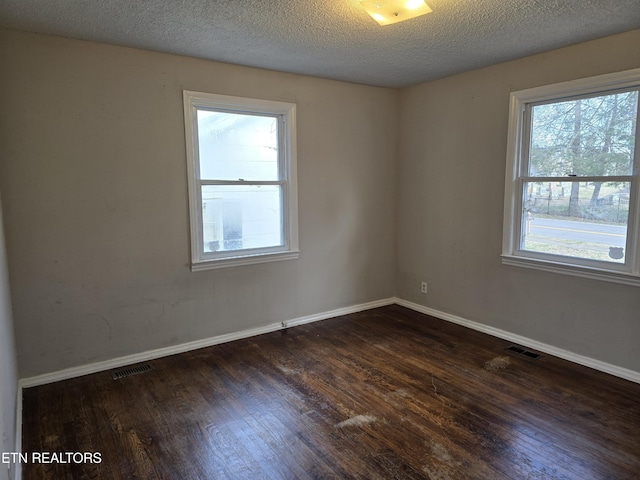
[423, 287]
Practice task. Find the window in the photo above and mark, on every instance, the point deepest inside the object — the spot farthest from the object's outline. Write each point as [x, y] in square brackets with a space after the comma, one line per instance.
[571, 190]
[242, 180]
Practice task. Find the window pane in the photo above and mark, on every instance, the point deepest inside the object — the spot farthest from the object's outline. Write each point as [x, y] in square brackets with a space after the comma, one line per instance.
[239, 217]
[576, 219]
[585, 137]
[234, 146]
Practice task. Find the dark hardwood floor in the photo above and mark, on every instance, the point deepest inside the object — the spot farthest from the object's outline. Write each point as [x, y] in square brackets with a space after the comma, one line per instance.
[383, 394]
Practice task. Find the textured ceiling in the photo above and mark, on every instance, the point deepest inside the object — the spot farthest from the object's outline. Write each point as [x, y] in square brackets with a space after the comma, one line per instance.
[331, 38]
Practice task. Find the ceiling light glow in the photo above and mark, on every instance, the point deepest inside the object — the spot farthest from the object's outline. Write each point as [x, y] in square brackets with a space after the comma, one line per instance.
[413, 4]
[386, 12]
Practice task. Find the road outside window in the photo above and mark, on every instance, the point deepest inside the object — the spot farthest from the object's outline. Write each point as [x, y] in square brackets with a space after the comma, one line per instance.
[571, 199]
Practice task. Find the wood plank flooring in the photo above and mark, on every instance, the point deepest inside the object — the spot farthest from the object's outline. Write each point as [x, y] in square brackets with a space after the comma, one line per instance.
[383, 394]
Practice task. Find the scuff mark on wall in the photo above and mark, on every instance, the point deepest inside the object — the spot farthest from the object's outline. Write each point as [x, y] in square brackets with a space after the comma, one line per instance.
[107, 323]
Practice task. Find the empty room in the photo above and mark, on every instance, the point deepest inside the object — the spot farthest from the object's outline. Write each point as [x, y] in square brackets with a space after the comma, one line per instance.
[333, 239]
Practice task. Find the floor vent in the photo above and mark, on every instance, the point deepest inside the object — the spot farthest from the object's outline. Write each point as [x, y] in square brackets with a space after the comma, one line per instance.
[127, 372]
[524, 352]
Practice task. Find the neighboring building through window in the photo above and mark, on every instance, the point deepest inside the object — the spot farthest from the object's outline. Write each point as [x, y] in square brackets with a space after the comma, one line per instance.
[571, 194]
[242, 180]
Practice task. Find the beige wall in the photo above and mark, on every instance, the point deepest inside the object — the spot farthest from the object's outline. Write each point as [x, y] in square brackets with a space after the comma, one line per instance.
[450, 204]
[92, 167]
[94, 177]
[8, 369]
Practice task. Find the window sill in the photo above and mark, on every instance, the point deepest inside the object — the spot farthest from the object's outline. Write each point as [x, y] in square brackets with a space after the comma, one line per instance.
[244, 260]
[574, 270]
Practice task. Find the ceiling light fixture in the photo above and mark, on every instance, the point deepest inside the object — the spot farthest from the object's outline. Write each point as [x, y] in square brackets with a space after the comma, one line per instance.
[386, 12]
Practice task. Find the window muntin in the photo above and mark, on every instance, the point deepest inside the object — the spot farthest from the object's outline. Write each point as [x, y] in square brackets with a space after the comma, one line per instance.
[242, 189]
[571, 197]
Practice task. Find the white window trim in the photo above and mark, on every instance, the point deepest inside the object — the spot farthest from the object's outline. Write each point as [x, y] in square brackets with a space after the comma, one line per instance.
[287, 112]
[628, 274]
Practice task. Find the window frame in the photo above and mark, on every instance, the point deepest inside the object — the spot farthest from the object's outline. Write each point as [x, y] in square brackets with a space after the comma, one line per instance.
[519, 130]
[285, 113]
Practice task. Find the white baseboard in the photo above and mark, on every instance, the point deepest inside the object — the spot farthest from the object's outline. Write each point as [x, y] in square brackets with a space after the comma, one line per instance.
[73, 372]
[621, 372]
[186, 347]
[166, 351]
